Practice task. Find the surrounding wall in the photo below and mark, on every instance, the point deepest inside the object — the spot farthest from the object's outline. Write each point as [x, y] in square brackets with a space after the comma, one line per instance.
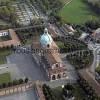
[16, 89]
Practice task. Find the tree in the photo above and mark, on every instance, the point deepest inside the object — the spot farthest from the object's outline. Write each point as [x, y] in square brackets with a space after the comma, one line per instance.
[26, 80]
[15, 82]
[10, 84]
[4, 85]
[21, 81]
[93, 24]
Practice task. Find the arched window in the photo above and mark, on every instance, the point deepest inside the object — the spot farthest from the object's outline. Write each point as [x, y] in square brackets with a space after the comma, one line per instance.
[48, 45]
[53, 77]
[58, 76]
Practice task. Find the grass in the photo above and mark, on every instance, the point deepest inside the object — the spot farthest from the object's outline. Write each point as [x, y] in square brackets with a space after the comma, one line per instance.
[5, 78]
[3, 54]
[77, 12]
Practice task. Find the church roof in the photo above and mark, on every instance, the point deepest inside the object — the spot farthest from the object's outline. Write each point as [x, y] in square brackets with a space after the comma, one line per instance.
[46, 38]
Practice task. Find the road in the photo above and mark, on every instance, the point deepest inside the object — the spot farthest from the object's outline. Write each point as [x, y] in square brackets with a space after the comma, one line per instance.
[95, 49]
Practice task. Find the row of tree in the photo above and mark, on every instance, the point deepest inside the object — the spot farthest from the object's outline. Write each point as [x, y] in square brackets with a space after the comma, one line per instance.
[88, 89]
[14, 83]
[48, 93]
[67, 91]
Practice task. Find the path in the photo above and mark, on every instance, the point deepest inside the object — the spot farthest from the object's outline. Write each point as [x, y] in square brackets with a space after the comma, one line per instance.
[67, 3]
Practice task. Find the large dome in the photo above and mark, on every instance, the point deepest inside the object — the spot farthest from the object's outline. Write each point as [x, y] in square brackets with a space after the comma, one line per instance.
[46, 39]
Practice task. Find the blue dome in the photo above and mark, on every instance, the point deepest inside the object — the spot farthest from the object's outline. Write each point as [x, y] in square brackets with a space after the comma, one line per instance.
[46, 39]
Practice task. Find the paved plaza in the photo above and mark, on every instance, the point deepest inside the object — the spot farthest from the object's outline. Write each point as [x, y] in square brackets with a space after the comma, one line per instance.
[26, 67]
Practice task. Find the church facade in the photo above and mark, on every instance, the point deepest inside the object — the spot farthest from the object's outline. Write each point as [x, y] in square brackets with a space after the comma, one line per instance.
[46, 55]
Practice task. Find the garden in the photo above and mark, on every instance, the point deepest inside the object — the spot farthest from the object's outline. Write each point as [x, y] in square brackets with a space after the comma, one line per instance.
[69, 44]
[66, 92]
[81, 59]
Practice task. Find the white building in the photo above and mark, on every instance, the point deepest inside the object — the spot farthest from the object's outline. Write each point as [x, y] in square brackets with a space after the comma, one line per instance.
[3, 34]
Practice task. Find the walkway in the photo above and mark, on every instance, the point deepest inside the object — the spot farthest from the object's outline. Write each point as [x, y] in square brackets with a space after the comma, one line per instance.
[67, 3]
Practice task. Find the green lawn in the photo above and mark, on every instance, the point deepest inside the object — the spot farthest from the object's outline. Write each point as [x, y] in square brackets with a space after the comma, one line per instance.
[5, 78]
[77, 12]
[3, 54]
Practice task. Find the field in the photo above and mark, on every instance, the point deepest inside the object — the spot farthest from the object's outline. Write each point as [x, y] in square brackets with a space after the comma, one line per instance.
[77, 12]
[5, 78]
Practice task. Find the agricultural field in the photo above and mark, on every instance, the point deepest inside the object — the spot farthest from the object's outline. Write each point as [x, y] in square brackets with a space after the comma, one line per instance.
[77, 12]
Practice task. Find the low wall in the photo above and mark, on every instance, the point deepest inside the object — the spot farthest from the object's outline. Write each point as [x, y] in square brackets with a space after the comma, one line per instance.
[16, 89]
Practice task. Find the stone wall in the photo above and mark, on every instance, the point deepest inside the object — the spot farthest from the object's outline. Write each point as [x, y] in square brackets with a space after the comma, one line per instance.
[16, 89]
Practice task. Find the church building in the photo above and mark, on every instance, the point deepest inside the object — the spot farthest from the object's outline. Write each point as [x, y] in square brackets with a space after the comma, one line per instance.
[46, 54]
